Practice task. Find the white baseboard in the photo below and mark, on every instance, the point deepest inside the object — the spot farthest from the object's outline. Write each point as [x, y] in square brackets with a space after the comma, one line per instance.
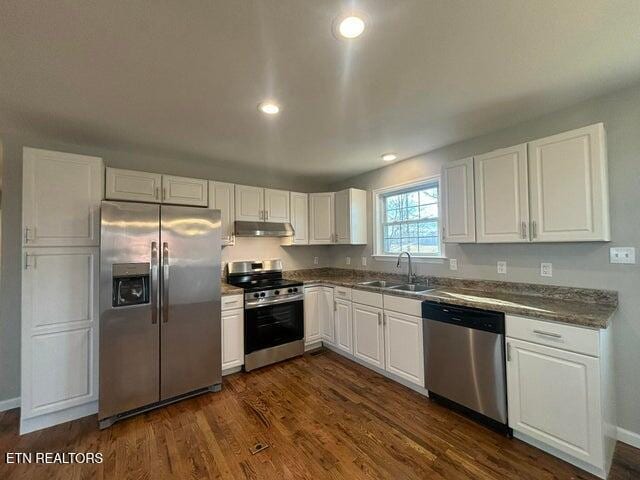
[629, 437]
[50, 419]
[9, 403]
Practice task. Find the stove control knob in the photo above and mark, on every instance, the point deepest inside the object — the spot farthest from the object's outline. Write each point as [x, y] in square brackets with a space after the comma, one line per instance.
[290, 290]
[255, 295]
[262, 294]
[276, 292]
[295, 290]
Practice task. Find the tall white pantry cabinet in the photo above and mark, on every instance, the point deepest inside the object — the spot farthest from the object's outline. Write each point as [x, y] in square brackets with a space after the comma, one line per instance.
[60, 247]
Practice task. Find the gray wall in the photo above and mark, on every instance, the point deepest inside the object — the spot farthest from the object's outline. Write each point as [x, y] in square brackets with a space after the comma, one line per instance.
[577, 264]
[10, 277]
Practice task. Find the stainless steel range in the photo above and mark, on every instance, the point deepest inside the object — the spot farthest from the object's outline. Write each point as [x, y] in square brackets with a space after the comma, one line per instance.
[274, 312]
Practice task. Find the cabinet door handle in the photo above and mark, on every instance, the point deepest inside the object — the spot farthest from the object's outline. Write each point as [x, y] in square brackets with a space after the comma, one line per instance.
[164, 193]
[157, 193]
[29, 264]
[266, 214]
[508, 352]
[534, 229]
[523, 228]
[547, 334]
[379, 318]
[29, 234]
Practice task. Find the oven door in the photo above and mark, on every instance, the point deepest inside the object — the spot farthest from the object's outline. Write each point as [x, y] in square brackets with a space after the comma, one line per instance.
[268, 326]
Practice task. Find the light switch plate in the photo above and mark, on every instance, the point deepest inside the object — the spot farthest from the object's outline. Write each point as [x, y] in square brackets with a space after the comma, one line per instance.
[364, 261]
[622, 255]
[502, 267]
[546, 270]
[347, 260]
[453, 264]
[315, 260]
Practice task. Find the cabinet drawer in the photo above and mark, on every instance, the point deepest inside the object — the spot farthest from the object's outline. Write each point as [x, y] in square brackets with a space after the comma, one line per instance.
[367, 298]
[407, 306]
[342, 292]
[232, 301]
[565, 337]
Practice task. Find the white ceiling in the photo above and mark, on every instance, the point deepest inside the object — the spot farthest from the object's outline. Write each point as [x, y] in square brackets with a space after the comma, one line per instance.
[183, 78]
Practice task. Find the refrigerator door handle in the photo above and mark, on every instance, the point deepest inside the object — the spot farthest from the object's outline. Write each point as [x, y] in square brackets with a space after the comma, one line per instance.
[154, 283]
[165, 282]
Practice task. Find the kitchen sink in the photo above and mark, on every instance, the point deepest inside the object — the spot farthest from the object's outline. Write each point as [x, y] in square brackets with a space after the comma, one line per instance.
[412, 287]
[379, 283]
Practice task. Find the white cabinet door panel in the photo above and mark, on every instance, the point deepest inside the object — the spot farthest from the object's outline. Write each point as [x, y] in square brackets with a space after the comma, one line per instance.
[554, 397]
[569, 186]
[326, 312]
[222, 197]
[132, 185]
[249, 203]
[502, 196]
[276, 205]
[458, 202]
[342, 217]
[321, 218]
[300, 218]
[403, 346]
[61, 199]
[232, 322]
[59, 329]
[344, 325]
[368, 334]
[311, 315]
[184, 191]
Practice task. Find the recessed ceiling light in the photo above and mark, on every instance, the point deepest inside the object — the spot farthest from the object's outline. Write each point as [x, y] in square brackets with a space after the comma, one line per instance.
[269, 108]
[350, 25]
[389, 157]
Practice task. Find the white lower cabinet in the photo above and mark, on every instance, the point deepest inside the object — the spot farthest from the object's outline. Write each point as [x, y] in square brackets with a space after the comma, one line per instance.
[368, 334]
[312, 315]
[326, 310]
[561, 398]
[232, 338]
[403, 346]
[344, 325]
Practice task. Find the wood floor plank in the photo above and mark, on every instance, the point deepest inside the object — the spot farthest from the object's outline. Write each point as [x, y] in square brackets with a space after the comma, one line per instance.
[323, 417]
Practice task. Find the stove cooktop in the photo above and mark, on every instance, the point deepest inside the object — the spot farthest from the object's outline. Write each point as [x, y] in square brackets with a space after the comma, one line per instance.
[265, 284]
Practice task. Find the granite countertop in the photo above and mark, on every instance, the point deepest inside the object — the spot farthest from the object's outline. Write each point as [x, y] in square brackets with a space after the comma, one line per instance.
[226, 289]
[577, 306]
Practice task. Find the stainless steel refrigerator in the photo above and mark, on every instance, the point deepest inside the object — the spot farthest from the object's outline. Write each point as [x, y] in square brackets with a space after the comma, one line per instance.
[159, 306]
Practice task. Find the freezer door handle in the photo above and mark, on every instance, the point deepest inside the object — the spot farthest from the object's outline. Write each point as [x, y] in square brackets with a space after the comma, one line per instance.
[154, 283]
[165, 282]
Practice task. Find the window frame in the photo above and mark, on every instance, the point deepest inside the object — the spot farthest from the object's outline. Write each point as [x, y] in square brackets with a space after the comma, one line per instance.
[378, 219]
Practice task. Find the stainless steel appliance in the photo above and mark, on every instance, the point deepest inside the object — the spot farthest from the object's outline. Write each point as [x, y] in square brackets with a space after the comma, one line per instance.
[273, 312]
[464, 358]
[159, 306]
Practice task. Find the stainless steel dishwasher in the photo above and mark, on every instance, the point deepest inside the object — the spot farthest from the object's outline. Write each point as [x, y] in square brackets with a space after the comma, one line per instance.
[464, 360]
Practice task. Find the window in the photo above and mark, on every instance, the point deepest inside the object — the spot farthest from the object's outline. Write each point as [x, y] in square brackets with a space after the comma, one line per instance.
[409, 220]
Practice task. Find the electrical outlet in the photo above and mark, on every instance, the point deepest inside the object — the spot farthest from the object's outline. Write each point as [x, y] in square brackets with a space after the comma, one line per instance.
[546, 270]
[453, 264]
[364, 261]
[315, 260]
[622, 255]
[347, 260]
[502, 267]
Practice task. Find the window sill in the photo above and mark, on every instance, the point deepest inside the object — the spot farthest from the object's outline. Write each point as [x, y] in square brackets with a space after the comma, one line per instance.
[414, 259]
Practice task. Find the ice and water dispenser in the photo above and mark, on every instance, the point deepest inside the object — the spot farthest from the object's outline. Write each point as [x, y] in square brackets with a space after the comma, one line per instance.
[131, 283]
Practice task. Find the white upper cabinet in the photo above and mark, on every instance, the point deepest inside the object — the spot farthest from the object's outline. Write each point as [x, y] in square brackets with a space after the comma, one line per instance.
[133, 185]
[299, 218]
[184, 191]
[61, 199]
[502, 196]
[321, 218]
[222, 197]
[569, 187]
[249, 203]
[458, 202]
[351, 217]
[276, 205]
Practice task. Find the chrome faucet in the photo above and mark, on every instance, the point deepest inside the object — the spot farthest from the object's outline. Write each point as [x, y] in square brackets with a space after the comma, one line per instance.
[410, 275]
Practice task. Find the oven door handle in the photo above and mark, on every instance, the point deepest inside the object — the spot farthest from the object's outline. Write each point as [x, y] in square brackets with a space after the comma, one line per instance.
[259, 303]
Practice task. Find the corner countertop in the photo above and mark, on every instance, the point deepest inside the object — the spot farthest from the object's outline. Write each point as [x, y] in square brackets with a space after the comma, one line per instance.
[582, 307]
[226, 289]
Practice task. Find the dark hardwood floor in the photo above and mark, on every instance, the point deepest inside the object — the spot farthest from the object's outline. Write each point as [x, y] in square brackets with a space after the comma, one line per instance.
[322, 417]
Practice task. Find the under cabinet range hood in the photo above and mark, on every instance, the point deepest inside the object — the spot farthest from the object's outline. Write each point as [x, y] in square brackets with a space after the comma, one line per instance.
[263, 229]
